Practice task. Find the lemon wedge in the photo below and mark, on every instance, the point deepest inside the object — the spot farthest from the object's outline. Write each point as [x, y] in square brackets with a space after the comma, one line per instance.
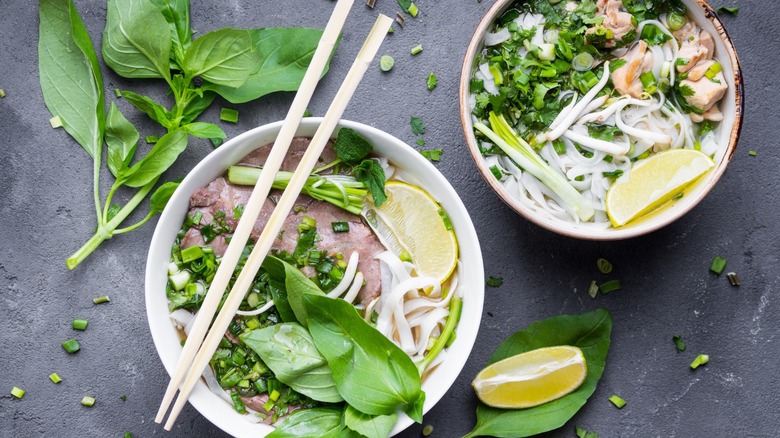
[531, 378]
[653, 182]
[416, 223]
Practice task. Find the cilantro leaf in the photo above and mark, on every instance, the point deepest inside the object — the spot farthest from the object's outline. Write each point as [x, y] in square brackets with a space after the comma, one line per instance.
[604, 132]
[433, 154]
[351, 147]
[417, 126]
[729, 10]
[432, 81]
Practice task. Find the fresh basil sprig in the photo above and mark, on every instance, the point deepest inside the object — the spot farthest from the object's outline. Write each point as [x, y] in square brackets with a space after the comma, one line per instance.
[153, 40]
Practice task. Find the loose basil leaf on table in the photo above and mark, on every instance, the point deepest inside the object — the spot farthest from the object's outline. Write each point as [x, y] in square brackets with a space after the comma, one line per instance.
[369, 426]
[372, 374]
[313, 423]
[286, 54]
[137, 40]
[157, 161]
[121, 139]
[223, 57]
[289, 351]
[588, 331]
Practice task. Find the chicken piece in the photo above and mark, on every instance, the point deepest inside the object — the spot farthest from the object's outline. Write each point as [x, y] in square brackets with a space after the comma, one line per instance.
[695, 45]
[713, 115]
[626, 78]
[615, 20]
[703, 92]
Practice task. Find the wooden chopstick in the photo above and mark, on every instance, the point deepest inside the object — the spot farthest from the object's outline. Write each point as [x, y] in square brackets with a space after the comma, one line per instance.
[283, 207]
[256, 200]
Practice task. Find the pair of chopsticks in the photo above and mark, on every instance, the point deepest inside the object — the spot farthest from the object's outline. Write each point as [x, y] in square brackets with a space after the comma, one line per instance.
[200, 346]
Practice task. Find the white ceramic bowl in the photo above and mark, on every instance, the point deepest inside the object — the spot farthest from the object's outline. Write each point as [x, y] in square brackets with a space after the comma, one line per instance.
[731, 106]
[166, 339]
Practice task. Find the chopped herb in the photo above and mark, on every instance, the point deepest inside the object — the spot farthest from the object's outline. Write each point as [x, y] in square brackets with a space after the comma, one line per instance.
[733, 278]
[151, 139]
[432, 81]
[370, 173]
[300, 209]
[55, 378]
[128, 435]
[340, 227]
[699, 361]
[494, 281]
[605, 267]
[413, 10]
[228, 115]
[391, 30]
[400, 20]
[80, 324]
[733, 10]
[593, 289]
[351, 147]
[678, 196]
[604, 132]
[123, 397]
[2, 93]
[421, 141]
[88, 401]
[610, 286]
[216, 142]
[101, 300]
[582, 433]
[752, 153]
[417, 126]
[17, 392]
[386, 63]
[117, 93]
[427, 430]
[238, 211]
[615, 174]
[446, 219]
[417, 49]
[678, 342]
[476, 85]
[56, 122]
[306, 113]
[617, 401]
[71, 346]
[686, 91]
[496, 172]
[432, 154]
[718, 265]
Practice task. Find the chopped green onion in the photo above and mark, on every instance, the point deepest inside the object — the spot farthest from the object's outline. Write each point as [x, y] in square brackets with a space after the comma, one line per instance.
[494, 281]
[191, 254]
[274, 395]
[80, 324]
[582, 62]
[584, 433]
[216, 142]
[71, 346]
[714, 69]
[610, 286]
[417, 49]
[648, 79]
[593, 289]
[446, 219]
[678, 342]
[55, 378]
[731, 10]
[340, 227]
[699, 361]
[615, 174]
[151, 139]
[268, 406]
[718, 265]
[617, 401]
[101, 300]
[675, 21]
[605, 267]
[752, 153]
[307, 223]
[2, 93]
[88, 401]
[432, 81]
[427, 430]
[413, 10]
[498, 78]
[391, 30]
[228, 115]
[128, 435]
[17, 392]
[56, 122]
[386, 63]
[496, 172]
[405, 256]
[733, 278]
[179, 280]
[117, 92]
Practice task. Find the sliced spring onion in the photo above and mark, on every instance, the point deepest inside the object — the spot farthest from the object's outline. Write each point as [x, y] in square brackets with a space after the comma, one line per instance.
[546, 52]
[17, 392]
[71, 346]
[496, 172]
[718, 265]
[593, 289]
[417, 49]
[714, 69]
[386, 63]
[56, 122]
[752, 153]
[733, 278]
[101, 300]
[413, 10]
[55, 378]
[151, 139]
[80, 324]
[427, 430]
[340, 227]
[88, 401]
[675, 21]
[228, 115]
[582, 62]
[432, 81]
[191, 254]
[117, 92]
[609, 286]
[498, 78]
[699, 361]
[605, 267]
[2, 93]
[617, 401]
[179, 280]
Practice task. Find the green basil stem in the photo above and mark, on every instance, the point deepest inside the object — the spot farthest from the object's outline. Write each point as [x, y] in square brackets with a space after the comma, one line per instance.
[456, 306]
[106, 229]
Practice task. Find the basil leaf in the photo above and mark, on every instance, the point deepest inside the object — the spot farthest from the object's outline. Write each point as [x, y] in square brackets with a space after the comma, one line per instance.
[289, 352]
[121, 138]
[158, 160]
[372, 374]
[154, 110]
[588, 331]
[224, 57]
[309, 423]
[370, 173]
[286, 54]
[70, 76]
[289, 285]
[351, 147]
[196, 106]
[136, 40]
[204, 130]
[369, 426]
[161, 196]
[415, 410]
[177, 14]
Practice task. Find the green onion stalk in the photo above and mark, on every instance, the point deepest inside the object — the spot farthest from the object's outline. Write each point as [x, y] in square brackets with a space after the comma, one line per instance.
[456, 307]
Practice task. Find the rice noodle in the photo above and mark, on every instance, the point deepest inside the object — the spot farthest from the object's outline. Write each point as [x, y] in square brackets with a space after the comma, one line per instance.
[349, 275]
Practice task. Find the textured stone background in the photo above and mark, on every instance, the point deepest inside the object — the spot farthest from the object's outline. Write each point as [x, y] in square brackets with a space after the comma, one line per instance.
[46, 213]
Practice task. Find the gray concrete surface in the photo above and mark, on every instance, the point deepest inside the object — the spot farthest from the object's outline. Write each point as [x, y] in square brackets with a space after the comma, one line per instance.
[46, 213]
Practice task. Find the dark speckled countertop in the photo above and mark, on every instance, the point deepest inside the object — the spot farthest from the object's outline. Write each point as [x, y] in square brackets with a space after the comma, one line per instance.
[46, 213]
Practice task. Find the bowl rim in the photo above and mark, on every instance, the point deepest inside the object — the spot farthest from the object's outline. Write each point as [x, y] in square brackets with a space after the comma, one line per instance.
[439, 381]
[611, 233]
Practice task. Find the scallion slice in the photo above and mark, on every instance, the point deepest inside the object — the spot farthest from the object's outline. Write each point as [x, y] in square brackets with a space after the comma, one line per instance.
[152, 139]
[582, 62]
[2, 93]
[417, 49]
[101, 300]
[71, 346]
[718, 265]
[17, 392]
[386, 63]
[593, 289]
[699, 361]
[340, 227]
[617, 401]
[427, 430]
[605, 267]
[228, 115]
[191, 254]
[80, 324]
[56, 122]
[55, 378]
[88, 401]
[609, 286]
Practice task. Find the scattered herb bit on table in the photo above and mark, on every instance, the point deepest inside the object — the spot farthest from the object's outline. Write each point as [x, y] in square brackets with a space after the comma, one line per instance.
[718, 265]
[432, 81]
[678, 343]
[494, 281]
[432, 154]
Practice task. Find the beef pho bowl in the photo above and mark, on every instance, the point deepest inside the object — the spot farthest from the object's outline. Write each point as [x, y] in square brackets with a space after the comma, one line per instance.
[377, 231]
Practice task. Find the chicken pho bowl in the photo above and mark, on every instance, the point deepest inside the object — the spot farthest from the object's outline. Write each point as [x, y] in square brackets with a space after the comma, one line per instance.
[601, 119]
[378, 254]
